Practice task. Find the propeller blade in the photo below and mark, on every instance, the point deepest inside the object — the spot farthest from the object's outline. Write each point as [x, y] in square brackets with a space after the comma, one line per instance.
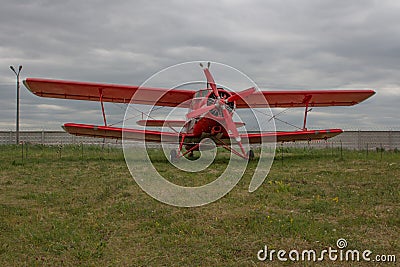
[200, 111]
[241, 94]
[211, 82]
[232, 127]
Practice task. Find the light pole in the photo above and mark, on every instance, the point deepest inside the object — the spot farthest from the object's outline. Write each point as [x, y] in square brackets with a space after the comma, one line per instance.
[17, 123]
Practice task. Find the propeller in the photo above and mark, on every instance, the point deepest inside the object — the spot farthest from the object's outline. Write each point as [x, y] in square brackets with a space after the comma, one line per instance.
[221, 103]
[210, 79]
[241, 94]
[231, 126]
[200, 111]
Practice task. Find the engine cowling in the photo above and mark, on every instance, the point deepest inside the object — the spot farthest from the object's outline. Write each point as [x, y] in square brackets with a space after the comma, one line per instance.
[212, 99]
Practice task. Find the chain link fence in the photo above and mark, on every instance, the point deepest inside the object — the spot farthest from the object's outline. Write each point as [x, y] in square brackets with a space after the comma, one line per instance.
[358, 140]
[51, 138]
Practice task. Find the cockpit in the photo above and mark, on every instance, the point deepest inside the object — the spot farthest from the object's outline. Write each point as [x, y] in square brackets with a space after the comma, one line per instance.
[202, 93]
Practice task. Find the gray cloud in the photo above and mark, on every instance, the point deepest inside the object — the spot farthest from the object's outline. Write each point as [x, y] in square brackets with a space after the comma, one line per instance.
[279, 44]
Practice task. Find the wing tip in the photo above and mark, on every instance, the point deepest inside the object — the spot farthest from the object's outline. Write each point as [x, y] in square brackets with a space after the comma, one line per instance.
[26, 84]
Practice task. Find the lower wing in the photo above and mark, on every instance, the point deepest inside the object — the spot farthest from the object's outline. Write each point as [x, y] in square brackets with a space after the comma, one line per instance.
[118, 133]
[304, 135]
[157, 136]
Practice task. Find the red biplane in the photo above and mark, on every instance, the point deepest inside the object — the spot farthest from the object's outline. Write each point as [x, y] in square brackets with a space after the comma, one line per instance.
[210, 112]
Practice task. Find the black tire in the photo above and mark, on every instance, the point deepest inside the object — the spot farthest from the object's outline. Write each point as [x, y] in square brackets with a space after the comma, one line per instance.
[250, 154]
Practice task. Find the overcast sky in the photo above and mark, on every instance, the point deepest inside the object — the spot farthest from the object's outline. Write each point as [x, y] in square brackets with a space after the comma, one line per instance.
[279, 44]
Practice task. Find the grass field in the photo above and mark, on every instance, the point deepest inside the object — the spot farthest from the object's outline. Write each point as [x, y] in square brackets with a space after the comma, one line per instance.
[78, 205]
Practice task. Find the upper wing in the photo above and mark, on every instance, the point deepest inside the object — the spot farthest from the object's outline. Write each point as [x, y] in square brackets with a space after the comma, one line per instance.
[175, 97]
[108, 92]
[315, 98]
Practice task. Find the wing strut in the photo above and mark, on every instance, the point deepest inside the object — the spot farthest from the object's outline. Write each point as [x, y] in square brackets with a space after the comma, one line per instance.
[102, 106]
[306, 101]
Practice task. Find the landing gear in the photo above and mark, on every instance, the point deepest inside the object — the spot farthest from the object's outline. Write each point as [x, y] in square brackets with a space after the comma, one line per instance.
[250, 154]
[191, 155]
[173, 155]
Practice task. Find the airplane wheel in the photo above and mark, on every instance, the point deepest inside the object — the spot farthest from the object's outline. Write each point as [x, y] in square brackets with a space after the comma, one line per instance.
[250, 154]
[173, 155]
[191, 155]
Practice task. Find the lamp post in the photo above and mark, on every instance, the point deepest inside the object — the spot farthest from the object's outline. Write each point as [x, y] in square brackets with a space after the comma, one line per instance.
[17, 123]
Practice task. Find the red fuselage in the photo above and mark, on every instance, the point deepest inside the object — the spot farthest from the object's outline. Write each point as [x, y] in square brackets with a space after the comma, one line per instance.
[210, 123]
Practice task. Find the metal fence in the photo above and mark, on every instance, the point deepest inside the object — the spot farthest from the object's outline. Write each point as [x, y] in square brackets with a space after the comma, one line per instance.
[359, 140]
[51, 138]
